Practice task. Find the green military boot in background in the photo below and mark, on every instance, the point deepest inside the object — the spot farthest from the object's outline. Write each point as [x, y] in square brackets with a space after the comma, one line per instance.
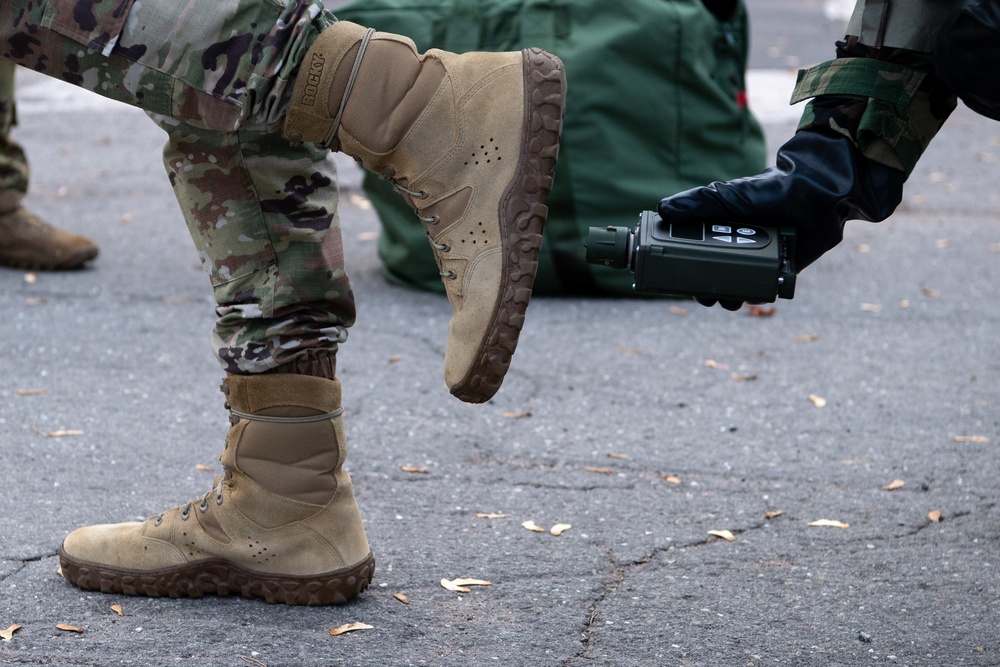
[28, 242]
[281, 524]
[470, 141]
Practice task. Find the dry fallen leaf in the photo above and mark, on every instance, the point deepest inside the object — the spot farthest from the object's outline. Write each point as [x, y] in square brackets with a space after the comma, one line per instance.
[29, 392]
[368, 236]
[254, 662]
[871, 308]
[414, 469]
[532, 526]
[30, 278]
[517, 415]
[459, 585]
[773, 514]
[943, 243]
[350, 627]
[602, 471]
[396, 358]
[62, 434]
[808, 338]
[613, 455]
[8, 634]
[490, 515]
[724, 534]
[904, 304]
[126, 218]
[69, 628]
[402, 598]
[934, 516]
[894, 484]
[932, 293]
[864, 248]
[672, 479]
[638, 351]
[970, 438]
[744, 378]
[828, 523]
[818, 401]
[762, 311]
[35, 301]
[202, 467]
[117, 608]
[677, 310]
[559, 529]
[712, 363]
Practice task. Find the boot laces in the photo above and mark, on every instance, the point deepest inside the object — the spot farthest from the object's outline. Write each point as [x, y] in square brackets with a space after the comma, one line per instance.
[202, 501]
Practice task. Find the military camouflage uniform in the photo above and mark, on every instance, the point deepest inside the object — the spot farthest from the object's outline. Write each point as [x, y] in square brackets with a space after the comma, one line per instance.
[882, 90]
[13, 165]
[262, 213]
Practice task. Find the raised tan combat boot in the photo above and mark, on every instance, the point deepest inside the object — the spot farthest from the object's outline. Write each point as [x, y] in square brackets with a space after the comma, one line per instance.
[28, 242]
[281, 524]
[471, 142]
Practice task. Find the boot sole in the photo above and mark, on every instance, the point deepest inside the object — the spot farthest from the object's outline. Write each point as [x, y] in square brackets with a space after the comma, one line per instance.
[522, 214]
[69, 263]
[218, 577]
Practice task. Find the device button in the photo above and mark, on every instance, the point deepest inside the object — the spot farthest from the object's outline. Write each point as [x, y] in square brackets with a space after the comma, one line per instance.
[722, 229]
[746, 231]
[740, 239]
[724, 239]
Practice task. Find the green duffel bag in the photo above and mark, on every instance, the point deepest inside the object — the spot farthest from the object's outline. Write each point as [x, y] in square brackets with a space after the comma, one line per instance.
[656, 104]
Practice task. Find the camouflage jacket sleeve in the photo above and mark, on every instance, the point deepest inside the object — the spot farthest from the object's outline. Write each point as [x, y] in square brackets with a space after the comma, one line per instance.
[887, 101]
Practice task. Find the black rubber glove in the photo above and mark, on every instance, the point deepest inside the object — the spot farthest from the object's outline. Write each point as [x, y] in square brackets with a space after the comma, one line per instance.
[819, 182]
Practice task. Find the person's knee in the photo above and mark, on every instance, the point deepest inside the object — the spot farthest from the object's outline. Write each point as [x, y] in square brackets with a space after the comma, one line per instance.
[967, 55]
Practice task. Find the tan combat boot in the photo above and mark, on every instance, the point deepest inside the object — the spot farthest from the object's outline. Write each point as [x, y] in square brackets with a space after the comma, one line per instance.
[471, 142]
[28, 242]
[281, 525]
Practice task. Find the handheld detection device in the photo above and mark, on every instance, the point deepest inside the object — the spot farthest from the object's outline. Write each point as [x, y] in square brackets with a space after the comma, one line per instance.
[721, 261]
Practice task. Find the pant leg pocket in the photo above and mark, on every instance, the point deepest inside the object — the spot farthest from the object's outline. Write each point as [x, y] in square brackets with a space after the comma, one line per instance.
[94, 24]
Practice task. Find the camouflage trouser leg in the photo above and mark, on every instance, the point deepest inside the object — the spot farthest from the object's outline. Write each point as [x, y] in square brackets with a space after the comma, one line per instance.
[215, 75]
[13, 164]
[263, 217]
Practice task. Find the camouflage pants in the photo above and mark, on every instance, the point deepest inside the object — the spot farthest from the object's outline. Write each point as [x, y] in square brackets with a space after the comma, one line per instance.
[215, 75]
[13, 165]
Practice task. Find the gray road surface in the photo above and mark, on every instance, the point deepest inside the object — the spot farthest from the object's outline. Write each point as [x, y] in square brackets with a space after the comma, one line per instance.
[717, 402]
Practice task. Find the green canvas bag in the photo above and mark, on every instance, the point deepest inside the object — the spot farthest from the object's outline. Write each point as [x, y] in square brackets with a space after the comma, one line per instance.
[656, 104]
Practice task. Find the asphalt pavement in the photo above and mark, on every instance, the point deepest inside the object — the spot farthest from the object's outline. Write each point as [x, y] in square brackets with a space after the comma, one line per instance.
[870, 401]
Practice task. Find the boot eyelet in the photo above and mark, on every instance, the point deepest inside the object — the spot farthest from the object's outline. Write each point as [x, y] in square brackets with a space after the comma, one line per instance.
[203, 507]
[186, 514]
[442, 247]
[450, 275]
[158, 521]
[422, 194]
[218, 499]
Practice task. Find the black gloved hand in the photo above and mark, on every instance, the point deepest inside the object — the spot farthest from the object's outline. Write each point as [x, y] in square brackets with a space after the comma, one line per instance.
[819, 182]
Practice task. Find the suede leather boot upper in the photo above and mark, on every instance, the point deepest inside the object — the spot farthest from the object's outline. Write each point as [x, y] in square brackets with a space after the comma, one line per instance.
[282, 524]
[28, 242]
[470, 141]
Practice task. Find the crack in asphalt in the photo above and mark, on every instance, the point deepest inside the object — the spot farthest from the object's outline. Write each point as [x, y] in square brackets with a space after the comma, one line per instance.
[619, 573]
[22, 563]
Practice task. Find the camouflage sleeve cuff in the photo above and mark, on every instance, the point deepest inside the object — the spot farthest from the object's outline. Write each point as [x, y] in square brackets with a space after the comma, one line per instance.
[903, 107]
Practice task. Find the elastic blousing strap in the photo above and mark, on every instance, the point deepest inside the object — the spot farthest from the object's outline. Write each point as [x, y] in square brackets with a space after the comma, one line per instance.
[350, 86]
[289, 420]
